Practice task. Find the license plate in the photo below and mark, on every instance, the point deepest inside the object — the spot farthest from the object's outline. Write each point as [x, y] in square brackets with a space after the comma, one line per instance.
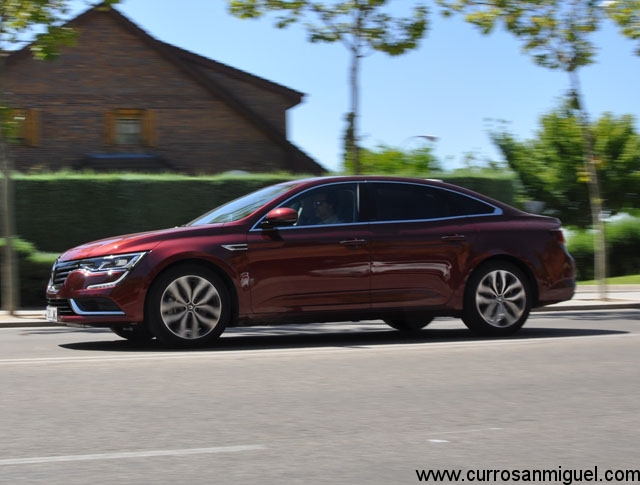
[52, 314]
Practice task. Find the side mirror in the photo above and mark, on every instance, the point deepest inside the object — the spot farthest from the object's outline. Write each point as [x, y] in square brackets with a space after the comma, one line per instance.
[282, 216]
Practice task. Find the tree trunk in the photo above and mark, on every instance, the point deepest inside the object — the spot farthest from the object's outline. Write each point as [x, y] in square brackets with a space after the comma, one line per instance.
[354, 72]
[9, 273]
[595, 197]
[354, 150]
[9, 266]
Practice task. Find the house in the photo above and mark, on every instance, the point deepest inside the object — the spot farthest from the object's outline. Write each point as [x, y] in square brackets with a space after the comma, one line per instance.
[119, 99]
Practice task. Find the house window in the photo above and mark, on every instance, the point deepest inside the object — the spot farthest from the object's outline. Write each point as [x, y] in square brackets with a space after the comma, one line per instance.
[127, 127]
[24, 127]
[128, 131]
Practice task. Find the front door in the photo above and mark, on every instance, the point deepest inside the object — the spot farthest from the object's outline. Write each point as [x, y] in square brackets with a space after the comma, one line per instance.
[319, 265]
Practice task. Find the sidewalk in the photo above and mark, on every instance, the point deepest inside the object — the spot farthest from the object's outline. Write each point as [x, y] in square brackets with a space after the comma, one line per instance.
[586, 298]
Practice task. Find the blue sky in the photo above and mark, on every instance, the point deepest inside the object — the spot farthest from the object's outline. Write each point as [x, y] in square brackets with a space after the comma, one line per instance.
[450, 87]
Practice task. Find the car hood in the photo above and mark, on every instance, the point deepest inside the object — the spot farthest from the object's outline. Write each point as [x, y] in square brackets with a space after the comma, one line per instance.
[142, 241]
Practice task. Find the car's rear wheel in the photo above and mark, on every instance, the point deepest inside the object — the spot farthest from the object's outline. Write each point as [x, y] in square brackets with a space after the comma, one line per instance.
[188, 306]
[497, 299]
[139, 333]
[409, 324]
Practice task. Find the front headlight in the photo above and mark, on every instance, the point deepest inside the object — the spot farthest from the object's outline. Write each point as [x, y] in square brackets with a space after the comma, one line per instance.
[109, 271]
[118, 262]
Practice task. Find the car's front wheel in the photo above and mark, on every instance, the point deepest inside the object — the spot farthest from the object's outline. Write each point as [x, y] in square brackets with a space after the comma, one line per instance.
[497, 299]
[188, 306]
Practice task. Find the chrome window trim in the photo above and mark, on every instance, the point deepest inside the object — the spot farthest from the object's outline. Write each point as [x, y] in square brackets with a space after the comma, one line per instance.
[320, 226]
[497, 211]
[437, 219]
[76, 309]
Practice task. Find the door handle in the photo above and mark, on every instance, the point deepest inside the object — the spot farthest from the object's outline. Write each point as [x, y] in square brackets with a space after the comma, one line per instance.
[453, 237]
[353, 243]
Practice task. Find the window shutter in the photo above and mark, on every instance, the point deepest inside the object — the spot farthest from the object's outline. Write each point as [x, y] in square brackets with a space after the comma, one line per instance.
[32, 128]
[149, 128]
[110, 127]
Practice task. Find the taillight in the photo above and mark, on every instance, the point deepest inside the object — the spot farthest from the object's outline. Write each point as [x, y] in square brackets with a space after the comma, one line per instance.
[560, 236]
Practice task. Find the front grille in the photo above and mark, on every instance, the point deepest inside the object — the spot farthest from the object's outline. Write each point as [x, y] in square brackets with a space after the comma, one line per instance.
[64, 308]
[61, 271]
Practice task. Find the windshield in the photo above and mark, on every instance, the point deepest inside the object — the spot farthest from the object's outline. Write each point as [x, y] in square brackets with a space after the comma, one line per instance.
[242, 207]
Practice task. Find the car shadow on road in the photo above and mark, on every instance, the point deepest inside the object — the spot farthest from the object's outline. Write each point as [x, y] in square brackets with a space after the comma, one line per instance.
[299, 337]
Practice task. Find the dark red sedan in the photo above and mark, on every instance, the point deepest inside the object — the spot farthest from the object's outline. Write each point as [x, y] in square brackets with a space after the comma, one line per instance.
[401, 250]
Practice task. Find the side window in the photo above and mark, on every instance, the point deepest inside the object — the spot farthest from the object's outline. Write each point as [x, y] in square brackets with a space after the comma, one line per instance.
[408, 202]
[331, 204]
[463, 205]
[411, 202]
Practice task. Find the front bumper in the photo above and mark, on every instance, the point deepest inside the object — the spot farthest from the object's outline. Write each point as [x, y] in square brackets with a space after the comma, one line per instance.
[76, 296]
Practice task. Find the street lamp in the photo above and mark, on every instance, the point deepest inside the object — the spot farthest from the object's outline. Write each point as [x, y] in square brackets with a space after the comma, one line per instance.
[430, 138]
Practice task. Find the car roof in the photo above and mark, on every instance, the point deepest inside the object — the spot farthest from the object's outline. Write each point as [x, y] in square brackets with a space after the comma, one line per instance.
[309, 182]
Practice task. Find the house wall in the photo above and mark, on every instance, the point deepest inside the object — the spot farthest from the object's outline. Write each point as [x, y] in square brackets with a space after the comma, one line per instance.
[269, 105]
[111, 68]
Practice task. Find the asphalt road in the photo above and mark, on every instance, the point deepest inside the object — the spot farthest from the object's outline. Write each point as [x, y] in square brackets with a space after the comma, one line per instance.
[339, 404]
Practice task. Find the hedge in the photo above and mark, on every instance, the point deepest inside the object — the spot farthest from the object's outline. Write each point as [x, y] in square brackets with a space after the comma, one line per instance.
[622, 240]
[34, 268]
[59, 211]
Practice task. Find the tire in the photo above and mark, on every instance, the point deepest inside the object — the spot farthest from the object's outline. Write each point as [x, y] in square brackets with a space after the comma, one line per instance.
[139, 333]
[497, 299]
[409, 324]
[188, 306]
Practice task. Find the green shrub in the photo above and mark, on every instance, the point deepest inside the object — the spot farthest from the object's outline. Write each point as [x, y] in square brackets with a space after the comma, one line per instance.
[623, 257]
[34, 268]
[59, 211]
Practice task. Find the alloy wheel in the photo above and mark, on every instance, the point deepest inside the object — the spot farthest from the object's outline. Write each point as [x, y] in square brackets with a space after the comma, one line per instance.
[501, 298]
[190, 307]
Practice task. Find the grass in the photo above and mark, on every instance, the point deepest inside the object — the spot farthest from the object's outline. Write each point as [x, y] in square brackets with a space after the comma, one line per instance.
[618, 280]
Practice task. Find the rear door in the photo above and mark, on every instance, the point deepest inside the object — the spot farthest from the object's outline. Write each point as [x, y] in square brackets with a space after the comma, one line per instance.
[419, 245]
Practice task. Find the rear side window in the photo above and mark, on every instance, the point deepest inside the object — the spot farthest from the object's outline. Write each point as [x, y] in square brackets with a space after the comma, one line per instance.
[410, 202]
[463, 205]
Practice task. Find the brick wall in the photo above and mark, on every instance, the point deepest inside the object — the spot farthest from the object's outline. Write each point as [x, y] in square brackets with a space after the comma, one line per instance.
[111, 67]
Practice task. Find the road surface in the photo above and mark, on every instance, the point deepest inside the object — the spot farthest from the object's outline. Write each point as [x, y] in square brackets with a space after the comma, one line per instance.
[334, 403]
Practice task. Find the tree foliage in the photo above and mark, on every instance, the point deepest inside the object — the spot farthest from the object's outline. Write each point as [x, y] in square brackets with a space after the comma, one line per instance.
[39, 22]
[557, 35]
[626, 13]
[359, 24]
[362, 26]
[551, 165]
[390, 160]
